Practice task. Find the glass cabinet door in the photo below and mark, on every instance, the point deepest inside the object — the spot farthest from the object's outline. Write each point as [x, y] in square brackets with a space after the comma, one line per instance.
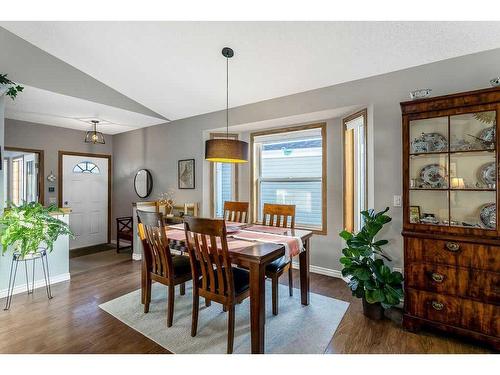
[453, 171]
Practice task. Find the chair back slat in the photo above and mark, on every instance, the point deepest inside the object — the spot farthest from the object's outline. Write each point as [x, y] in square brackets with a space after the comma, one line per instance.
[236, 211]
[155, 243]
[208, 251]
[276, 215]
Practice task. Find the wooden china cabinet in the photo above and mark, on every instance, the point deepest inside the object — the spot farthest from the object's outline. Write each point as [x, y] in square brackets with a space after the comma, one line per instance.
[450, 195]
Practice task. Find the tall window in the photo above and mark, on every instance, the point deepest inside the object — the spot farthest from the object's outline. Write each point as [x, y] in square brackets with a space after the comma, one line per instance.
[224, 181]
[17, 181]
[289, 167]
[355, 188]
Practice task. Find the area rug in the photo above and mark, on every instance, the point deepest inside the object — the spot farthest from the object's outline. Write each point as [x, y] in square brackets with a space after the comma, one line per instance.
[296, 329]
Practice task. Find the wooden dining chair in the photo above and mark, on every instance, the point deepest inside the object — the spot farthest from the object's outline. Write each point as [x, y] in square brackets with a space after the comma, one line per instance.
[279, 215]
[160, 265]
[236, 211]
[214, 278]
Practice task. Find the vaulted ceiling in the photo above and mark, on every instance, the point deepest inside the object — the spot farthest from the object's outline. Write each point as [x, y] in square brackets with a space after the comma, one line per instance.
[175, 69]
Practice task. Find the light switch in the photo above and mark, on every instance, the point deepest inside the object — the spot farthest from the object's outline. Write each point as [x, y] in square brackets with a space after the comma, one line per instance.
[397, 201]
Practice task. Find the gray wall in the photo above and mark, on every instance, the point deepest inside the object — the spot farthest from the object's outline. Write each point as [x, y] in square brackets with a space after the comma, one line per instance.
[159, 147]
[51, 139]
[2, 113]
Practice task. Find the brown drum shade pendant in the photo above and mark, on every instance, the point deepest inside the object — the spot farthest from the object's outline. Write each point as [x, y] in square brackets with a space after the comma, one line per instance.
[226, 150]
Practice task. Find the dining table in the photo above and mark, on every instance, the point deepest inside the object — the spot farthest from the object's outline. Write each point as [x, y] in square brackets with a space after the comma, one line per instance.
[253, 247]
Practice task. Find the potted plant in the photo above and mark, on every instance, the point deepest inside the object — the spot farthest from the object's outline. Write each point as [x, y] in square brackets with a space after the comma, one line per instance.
[8, 87]
[369, 278]
[30, 226]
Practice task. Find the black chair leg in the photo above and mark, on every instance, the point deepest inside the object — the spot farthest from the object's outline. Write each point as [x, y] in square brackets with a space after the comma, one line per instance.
[290, 280]
[230, 329]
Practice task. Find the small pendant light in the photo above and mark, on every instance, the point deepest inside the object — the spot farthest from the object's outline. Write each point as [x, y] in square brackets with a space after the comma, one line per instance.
[93, 136]
[226, 150]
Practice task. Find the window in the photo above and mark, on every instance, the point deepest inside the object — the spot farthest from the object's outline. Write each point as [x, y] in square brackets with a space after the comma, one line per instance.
[289, 167]
[17, 181]
[224, 181]
[86, 167]
[355, 188]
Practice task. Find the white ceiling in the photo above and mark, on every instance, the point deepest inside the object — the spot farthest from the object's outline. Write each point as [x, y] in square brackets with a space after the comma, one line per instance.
[176, 69]
[45, 107]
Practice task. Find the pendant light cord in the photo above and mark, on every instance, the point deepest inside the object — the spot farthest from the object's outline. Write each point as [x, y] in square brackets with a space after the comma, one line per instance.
[227, 98]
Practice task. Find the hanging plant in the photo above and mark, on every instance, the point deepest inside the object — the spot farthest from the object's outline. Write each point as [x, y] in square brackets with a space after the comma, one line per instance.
[11, 88]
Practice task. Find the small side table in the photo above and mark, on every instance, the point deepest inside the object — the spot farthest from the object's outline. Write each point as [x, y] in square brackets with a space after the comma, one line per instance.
[33, 257]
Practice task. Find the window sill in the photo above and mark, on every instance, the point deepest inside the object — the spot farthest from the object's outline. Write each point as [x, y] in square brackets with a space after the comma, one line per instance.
[315, 230]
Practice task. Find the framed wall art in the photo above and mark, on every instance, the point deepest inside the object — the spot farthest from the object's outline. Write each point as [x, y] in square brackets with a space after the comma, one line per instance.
[186, 174]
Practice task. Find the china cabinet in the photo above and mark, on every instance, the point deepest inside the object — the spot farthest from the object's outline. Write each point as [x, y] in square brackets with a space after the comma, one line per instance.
[451, 235]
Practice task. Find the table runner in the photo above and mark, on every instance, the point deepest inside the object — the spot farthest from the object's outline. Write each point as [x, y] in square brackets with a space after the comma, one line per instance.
[239, 240]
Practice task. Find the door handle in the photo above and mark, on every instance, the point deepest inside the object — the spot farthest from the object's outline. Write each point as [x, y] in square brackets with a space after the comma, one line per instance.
[65, 203]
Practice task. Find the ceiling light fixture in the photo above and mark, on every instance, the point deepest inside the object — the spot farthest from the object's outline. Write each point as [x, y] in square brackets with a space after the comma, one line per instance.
[226, 150]
[93, 136]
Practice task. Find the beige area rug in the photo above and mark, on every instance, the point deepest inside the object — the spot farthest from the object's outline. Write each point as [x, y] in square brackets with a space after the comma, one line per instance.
[296, 329]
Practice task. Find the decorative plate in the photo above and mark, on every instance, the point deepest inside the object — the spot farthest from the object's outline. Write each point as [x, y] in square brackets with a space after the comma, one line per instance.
[487, 173]
[429, 142]
[488, 215]
[487, 136]
[433, 175]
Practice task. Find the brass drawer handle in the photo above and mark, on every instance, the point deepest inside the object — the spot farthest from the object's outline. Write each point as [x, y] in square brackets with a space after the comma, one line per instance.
[437, 305]
[437, 277]
[452, 246]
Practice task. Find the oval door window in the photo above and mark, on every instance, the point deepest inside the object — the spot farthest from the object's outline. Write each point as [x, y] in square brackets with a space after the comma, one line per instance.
[86, 167]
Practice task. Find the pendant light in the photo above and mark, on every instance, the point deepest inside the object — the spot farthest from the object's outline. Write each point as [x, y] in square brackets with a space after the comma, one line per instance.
[226, 150]
[93, 136]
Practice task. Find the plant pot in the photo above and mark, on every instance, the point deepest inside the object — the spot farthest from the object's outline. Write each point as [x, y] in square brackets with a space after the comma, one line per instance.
[374, 311]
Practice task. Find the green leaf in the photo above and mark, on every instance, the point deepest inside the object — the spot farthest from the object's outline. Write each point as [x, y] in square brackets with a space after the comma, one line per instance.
[376, 295]
[362, 273]
[346, 235]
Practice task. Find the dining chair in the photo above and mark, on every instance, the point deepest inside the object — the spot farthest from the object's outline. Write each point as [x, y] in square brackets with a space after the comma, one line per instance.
[277, 215]
[236, 211]
[160, 265]
[214, 278]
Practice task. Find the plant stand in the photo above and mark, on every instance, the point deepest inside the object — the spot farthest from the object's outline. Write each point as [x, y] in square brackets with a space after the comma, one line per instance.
[16, 258]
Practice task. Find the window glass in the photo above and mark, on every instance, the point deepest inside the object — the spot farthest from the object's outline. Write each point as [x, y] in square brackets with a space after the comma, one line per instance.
[290, 171]
[86, 167]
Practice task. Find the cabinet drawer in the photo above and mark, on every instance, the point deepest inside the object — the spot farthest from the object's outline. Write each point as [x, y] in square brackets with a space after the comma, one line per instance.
[462, 282]
[455, 253]
[455, 311]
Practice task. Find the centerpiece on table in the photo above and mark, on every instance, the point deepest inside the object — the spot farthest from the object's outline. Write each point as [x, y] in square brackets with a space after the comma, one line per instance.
[363, 261]
[167, 199]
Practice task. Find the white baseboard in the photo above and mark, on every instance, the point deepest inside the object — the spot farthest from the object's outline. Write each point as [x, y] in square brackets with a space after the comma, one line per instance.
[313, 269]
[38, 284]
[320, 270]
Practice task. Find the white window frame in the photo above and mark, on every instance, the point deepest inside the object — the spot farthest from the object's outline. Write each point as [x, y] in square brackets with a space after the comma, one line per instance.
[256, 180]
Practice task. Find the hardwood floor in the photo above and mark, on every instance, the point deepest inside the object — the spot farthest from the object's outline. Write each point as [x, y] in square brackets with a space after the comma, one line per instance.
[72, 322]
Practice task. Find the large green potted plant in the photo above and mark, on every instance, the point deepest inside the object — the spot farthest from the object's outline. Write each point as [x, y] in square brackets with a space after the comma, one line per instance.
[30, 226]
[9, 88]
[363, 264]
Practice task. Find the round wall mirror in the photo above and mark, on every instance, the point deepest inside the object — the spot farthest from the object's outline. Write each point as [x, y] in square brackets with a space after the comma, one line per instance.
[143, 183]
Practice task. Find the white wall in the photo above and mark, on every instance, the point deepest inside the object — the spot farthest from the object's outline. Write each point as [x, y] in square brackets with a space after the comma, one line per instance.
[159, 147]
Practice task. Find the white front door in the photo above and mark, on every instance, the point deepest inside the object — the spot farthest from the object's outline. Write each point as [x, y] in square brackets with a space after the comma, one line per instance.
[85, 191]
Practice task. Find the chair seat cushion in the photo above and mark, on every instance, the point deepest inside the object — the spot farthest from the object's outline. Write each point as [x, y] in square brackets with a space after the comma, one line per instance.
[277, 265]
[241, 279]
[181, 264]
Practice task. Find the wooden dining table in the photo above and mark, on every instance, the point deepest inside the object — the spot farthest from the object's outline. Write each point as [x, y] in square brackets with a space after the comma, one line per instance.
[255, 258]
